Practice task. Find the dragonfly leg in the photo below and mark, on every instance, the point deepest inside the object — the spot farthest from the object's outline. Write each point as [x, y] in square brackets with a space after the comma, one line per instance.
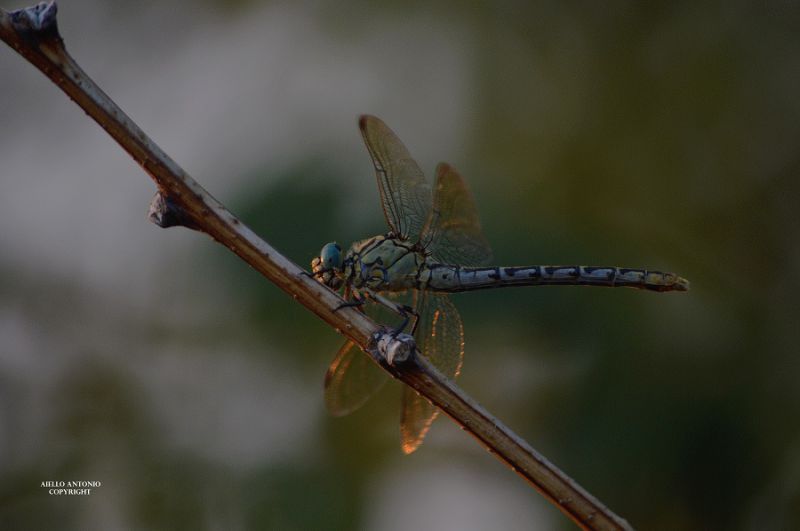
[413, 312]
[406, 312]
[357, 302]
[403, 310]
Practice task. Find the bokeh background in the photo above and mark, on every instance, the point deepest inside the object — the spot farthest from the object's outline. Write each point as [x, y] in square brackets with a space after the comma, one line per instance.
[156, 362]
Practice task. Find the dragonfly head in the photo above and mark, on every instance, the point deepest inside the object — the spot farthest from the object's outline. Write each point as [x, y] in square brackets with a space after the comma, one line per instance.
[326, 266]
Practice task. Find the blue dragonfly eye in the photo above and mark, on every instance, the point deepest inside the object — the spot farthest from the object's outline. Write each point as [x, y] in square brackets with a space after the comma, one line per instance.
[331, 256]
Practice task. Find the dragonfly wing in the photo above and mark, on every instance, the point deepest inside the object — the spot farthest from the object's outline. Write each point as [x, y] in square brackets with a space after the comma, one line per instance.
[417, 417]
[440, 337]
[351, 380]
[405, 194]
[453, 231]
[352, 377]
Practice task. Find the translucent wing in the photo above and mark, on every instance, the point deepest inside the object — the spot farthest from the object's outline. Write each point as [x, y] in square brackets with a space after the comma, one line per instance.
[453, 232]
[351, 380]
[405, 194]
[440, 337]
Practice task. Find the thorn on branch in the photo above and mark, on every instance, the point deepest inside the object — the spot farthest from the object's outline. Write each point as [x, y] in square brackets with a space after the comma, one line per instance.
[37, 23]
[396, 349]
[165, 213]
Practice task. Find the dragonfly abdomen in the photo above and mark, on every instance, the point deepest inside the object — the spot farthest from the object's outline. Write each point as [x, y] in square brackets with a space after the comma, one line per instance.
[449, 278]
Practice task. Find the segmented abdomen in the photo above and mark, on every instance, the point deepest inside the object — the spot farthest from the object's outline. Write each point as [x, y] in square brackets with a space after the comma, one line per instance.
[448, 278]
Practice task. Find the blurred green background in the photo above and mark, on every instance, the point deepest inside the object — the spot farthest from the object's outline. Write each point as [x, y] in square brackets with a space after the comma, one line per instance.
[156, 362]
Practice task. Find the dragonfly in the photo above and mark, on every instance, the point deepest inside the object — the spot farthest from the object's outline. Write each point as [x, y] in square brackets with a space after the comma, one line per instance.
[435, 246]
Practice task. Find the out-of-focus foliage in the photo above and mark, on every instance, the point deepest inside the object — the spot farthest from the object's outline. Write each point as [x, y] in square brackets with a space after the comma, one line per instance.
[660, 136]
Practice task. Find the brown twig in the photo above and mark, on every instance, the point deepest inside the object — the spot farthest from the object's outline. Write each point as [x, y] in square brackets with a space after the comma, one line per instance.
[180, 200]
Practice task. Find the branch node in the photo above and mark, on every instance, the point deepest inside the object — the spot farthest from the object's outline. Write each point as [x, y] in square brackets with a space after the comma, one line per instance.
[396, 349]
[37, 23]
[165, 213]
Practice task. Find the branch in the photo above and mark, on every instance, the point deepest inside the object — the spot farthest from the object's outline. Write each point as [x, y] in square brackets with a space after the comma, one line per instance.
[180, 200]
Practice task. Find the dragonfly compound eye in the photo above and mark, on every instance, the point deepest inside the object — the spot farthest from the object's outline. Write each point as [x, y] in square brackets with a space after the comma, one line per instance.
[331, 256]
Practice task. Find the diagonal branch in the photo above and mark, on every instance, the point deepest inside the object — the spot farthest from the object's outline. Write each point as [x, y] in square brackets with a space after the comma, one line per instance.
[180, 200]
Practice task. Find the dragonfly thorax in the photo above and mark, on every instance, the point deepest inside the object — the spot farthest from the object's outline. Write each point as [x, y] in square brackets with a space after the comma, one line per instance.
[383, 263]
